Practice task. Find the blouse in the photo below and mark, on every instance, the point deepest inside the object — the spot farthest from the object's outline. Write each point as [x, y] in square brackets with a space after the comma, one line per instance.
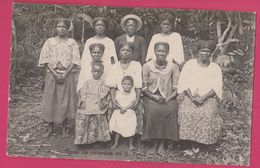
[176, 47]
[91, 93]
[108, 55]
[165, 81]
[200, 80]
[116, 74]
[61, 51]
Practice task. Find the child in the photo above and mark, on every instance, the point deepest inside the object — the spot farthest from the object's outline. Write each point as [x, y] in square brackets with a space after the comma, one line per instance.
[91, 121]
[60, 55]
[123, 121]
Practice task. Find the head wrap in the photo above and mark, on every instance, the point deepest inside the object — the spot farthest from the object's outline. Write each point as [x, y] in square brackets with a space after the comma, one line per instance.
[99, 45]
[163, 44]
[210, 44]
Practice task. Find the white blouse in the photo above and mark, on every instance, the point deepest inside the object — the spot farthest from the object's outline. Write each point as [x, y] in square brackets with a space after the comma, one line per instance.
[176, 47]
[116, 74]
[200, 80]
[109, 53]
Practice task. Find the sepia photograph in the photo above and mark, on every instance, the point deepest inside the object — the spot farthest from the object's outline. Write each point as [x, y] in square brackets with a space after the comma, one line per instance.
[131, 84]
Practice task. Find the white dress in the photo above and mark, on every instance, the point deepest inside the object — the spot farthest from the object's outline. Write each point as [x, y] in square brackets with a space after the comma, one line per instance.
[109, 53]
[124, 124]
[176, 47]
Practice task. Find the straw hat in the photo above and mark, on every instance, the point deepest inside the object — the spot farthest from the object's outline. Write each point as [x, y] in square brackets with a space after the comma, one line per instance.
[131, 16]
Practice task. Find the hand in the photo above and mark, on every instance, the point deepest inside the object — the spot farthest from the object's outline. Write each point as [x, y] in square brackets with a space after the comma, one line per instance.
[135, 105]
[159, 99]
[102, 104]
[80, 104]
[122, 111]
[198, 101]
[59, 78]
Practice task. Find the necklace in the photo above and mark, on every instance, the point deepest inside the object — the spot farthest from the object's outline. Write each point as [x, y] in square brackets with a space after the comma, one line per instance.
[160, 67]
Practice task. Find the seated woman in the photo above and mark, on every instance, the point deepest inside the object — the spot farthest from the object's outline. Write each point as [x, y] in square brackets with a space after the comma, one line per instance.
[201, 82]
[160, 106]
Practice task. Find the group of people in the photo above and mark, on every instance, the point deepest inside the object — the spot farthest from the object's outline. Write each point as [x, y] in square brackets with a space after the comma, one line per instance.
[128, 88]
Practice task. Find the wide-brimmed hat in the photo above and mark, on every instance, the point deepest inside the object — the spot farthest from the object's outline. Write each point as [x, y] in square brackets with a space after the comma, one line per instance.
[131, 16]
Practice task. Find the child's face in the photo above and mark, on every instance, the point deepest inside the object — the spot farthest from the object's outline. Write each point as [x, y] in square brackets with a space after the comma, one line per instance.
[131, 26]
[61, 29]
[97, 72]
[99, 27]
[166, 26]
[125, 53]
[96, 54]
[204, 54]
[127, 85]
[161, 52]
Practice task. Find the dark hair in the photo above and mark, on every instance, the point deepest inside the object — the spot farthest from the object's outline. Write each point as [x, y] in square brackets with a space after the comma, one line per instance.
[131, 19]
[103, 19]
[129, 78]
[162, 43]
[130, 44]
[98, 63]
[166, 16]
[62, 20]
[99, 45]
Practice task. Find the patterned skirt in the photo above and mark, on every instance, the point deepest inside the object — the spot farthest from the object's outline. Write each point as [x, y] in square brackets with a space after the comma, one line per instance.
[201, 124]
[160, 120]
[90, 129]
[59, 100]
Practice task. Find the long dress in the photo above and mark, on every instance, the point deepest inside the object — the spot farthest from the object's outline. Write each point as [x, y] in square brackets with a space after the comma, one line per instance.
[176, 47]
[109, 58]
[200, 123]
[124, 124]
[87, 124]
[160, 120]
[59, 100]
[114, 79]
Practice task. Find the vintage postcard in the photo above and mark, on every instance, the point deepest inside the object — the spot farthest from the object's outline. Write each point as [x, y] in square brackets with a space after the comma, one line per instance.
[131, 84]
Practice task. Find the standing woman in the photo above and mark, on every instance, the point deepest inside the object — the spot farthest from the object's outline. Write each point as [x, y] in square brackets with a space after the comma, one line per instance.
[201, 82]
[174, 40]
[160, 78]
[131, 24]
[109, 55]
[60, 55]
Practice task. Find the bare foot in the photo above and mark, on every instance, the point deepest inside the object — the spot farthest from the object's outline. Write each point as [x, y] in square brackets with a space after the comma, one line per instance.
[114, 146]
[161, 150]
[65, 133]
[132, 147]
[151, 150]
[48, 133]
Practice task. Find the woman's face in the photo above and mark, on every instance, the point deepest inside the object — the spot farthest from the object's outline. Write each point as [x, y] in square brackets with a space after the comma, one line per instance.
[100, 27]
[61, 29]
[96, 53]
[166, 26]
[131, 26]
[204, 54]
[125, 53]
[161, 52]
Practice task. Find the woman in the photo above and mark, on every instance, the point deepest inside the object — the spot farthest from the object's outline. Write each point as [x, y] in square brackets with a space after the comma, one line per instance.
[201, 82]
[126, 67]
[109, 55]
[60, 55]
[160, 106]
[131, 24]
[174, 40]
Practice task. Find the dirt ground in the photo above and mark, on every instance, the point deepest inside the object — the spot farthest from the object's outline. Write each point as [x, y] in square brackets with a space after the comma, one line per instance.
[26, 130]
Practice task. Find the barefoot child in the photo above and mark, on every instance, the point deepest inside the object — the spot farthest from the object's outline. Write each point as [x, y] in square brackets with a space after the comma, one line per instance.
[123, 121]
[60, 55]
[91, 121]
